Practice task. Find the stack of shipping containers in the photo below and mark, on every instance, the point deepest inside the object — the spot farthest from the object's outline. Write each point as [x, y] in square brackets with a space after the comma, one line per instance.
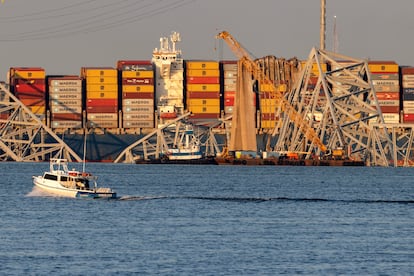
[101, 89]
[28, 85]
[407, 77]
[203, 89]
[268, 106]
[137, 86]
[385, 79]
[65, 102]
[229, 69]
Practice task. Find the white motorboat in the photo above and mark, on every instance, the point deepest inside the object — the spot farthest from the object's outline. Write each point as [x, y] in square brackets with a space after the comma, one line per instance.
[61, 181]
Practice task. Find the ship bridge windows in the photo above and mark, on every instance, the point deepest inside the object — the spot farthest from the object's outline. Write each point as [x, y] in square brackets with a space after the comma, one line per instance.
[51, 177]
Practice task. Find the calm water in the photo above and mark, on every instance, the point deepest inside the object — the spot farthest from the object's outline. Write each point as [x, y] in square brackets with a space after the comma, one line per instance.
[212, 220]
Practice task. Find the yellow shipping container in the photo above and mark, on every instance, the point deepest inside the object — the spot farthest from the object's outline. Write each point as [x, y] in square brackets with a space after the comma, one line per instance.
[386, 67]
[37, 109]
[207, 65]
[102, 87]
[315, 69]
[269, 88]
[137, 88]
[268, 124]
[203, 87]
[137, 74]
[101, 80]
[29, 74]
[203, 73]
[101, 95]
[206, 102]
[204, 109]
[98, 72]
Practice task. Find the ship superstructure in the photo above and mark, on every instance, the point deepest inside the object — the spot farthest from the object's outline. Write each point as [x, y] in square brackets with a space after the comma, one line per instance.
[169, 72]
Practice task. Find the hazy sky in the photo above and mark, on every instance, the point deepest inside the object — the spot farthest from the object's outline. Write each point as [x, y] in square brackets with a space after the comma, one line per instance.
[62, 36]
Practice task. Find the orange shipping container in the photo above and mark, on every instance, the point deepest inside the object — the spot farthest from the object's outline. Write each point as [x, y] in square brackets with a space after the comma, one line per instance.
[102, 80]
[203, 87]
[98, 72]
[137, 74]
[137, 88]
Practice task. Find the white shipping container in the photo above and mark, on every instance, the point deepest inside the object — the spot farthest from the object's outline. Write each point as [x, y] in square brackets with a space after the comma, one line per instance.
[389, 103]
[408, 103]
[137, 102]
[103, 124]
[138, 117]
[66, 96]
[408, 77]
[230, 81]
[66, 109]
[65, 102]
[408, 110]
[408, 83]
[138, 109]
[386, 82]
[228, 109]
[66, 124]
[391, 118]
[66, 82]
[386, 88]
[102, 116]
[65, 89]
[138, 124]
[230, 67]
[230, 87]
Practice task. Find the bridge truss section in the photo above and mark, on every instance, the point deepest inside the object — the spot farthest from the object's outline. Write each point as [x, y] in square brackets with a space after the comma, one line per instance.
[338, 100]
[23, 135]
[153, 145]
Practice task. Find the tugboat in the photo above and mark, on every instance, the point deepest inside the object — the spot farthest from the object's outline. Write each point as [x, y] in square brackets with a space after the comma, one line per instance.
[61, 181]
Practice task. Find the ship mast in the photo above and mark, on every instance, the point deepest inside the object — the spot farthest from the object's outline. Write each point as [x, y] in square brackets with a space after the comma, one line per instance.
[323, 24]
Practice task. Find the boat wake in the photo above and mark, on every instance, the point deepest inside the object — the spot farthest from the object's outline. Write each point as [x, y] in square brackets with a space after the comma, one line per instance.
[281, 199]
[141, 197]
[36, 192]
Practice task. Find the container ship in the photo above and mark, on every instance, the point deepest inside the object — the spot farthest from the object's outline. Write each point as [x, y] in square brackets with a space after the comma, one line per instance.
[117, 106]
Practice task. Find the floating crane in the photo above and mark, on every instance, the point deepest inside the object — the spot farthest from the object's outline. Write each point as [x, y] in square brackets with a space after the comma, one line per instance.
[295, 117]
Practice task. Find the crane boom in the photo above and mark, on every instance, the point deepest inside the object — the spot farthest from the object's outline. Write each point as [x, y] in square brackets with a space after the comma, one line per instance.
[259, 75]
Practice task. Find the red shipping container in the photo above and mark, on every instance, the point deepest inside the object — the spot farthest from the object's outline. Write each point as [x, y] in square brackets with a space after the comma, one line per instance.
[408, 118]
[33, 101]
[204, 116]
[388, 96]
[407, 70]
[4, 116]
[138, 81]
[66, 116]
[203, 80]
[23, 95]
[31, 88]
[269, 117]
[102, 102]
[229, 101]
[137, 95]
[267, 95]
[102, 109]
[390, 109]
[134, 64]
[203, 95]
[29, 81]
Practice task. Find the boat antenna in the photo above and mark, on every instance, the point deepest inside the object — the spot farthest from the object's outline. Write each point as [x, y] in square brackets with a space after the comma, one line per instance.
[84, 150]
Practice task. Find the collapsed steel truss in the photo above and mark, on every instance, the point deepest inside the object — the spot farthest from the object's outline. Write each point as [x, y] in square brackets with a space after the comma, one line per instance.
[341, 105]
[23, 135]
[161, 139]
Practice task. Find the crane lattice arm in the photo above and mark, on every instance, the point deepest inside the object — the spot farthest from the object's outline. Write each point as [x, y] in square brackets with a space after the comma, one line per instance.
[259, 75]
